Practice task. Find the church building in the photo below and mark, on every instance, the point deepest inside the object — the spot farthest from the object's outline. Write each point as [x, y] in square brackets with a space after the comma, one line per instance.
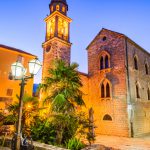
[117, 85]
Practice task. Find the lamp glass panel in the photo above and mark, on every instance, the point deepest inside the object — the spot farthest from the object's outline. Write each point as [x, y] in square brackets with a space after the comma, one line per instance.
[34, 66]
[17, 69]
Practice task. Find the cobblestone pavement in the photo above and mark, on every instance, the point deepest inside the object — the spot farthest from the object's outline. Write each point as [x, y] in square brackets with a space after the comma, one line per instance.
[124, 143]
[4, 148]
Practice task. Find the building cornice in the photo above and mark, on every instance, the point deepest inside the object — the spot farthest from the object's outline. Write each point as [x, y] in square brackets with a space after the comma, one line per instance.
[56, 39]
[15, 50]
[57, 13]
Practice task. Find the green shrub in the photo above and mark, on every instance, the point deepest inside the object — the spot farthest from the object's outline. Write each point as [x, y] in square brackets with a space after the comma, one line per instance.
[43, 131]
[70, 129]
[75, 144]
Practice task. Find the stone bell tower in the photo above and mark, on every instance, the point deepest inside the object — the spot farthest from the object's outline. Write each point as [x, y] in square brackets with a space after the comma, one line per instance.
[57, 40]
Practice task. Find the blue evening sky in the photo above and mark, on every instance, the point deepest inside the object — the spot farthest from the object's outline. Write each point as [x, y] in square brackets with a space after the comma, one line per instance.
[22, 25]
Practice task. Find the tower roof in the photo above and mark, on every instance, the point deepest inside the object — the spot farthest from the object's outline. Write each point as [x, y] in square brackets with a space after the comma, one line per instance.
[59, 1]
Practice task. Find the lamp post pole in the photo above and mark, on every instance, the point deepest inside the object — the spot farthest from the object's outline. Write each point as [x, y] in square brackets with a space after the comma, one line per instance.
[18, 72]
[22, 84]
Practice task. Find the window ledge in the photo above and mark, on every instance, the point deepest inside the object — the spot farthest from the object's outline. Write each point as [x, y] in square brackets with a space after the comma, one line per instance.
[105, 70]
[107, 98]
[136, 70]
[142, 100]
[137, 99]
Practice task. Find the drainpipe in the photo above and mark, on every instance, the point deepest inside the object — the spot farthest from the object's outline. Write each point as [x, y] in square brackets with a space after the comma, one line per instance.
[129, 103]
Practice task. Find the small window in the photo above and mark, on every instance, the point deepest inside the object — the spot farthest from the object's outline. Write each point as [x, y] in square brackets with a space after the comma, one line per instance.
[106, 62]
[48, 49]
[20, 59]
[148, 93]
[63, 9]
[104, 38]
[135, 63]
[146, 68]
[9, 92]
[107, 118]
[101, 63]
[57, 7]
[52, 8]
[102, 91]
[137, 92]
[107, 90]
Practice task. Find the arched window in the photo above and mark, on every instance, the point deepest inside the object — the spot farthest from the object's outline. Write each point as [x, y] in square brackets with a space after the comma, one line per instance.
[104, 38]
[135, 63]
[137, 92]
[52, 8]
[107, 90]
[146, 68]
[106, 62]
[48, 49]
[107, 118]
[63, 9]
[101, 63]
[57, 7]
[148, 94]
[102, 91]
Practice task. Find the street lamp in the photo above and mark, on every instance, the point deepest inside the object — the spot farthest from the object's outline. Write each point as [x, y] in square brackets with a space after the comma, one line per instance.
[18, 72]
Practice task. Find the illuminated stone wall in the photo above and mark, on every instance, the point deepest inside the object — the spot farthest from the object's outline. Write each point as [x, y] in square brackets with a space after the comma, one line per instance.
[109, 86]
[141, 106]
[116, 105]
[57, 42]
[55, 49]
[130, 115]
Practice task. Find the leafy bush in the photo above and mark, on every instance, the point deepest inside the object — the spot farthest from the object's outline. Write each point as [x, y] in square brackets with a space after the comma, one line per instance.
[43, 131]
[61, 90]
[67, 124]
[74, 144]
[1, 118]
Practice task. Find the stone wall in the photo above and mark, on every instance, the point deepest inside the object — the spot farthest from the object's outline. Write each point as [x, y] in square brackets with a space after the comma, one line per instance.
[141, 106]
[129, 114]
[116, 105]
[85, 89]
[54, 49]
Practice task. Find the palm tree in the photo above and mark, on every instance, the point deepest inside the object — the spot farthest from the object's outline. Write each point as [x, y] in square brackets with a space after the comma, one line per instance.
[2, 117]
[62, 90]
[30, 110]
[62, 87]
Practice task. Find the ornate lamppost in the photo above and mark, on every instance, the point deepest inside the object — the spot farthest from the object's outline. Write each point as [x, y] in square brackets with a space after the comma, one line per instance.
[18, 72]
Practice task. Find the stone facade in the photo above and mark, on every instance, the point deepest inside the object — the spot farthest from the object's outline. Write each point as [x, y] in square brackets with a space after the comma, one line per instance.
[58, 50]
[112, 84]
[129, 114]
[141, 106]
[57, 40]
[115, 74]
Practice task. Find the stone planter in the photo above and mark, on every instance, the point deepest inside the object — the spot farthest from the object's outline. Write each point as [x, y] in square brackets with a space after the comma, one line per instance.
[98, 147]
[42, 146]
[37, 145]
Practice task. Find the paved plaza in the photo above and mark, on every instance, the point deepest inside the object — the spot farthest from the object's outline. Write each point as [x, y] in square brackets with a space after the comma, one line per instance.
[4, 148]
[124, 143]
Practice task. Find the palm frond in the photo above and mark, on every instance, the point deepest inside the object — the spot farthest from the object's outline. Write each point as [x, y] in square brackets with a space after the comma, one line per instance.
[63, 87]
